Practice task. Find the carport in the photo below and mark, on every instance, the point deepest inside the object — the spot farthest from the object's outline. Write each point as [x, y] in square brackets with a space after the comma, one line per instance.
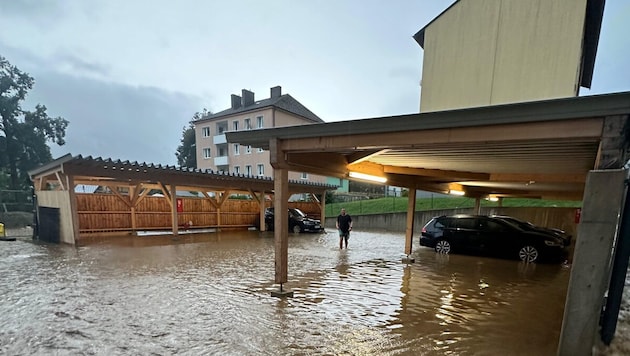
[131, 182]
[570, 149]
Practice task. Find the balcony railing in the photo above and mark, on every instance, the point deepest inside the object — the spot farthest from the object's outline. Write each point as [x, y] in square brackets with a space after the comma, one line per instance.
[221, 161]
[219, 139]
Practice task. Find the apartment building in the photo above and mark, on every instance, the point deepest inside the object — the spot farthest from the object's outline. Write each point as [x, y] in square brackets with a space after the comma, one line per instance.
[245, 113]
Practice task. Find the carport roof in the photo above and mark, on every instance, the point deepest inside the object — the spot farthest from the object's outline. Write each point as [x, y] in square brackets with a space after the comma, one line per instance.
[541, 149]
[100, 171]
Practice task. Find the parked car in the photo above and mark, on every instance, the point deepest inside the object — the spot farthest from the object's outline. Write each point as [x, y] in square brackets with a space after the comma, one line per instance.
[526, 225]
[298, 221]
[480, 234]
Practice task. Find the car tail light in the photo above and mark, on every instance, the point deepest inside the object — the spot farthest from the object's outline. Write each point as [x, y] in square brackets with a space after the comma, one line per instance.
[424, 229]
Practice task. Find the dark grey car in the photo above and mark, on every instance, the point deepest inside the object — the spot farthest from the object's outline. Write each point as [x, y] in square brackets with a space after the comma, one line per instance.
[298, 221]
[480, 234]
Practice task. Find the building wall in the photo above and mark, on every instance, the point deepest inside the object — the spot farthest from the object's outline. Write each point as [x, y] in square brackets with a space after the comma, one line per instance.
[61, 200]
[489, 52]
[271, 118]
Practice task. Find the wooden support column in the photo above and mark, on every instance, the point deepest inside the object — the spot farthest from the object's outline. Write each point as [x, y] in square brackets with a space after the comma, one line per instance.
[477, 207]
[281, 217]
[260, 199]
[74, 214]
[322, 209]
[411, 211]
[171, 197]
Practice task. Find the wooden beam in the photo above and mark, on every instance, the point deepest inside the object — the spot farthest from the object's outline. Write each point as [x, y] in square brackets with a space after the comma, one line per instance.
[167, 194]
[549, 130]
[437, 173]
[124, 199]
[325, 163]
[174, 215]
[541, 178]
[60, 178]
[276, 155]
[361, 156]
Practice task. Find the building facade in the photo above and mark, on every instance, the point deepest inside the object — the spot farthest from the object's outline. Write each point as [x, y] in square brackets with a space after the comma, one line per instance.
[245, 113]
[491, 52]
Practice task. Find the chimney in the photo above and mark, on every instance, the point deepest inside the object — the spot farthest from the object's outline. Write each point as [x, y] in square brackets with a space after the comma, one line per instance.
[276, 92]
[248, 97]
[236, 101]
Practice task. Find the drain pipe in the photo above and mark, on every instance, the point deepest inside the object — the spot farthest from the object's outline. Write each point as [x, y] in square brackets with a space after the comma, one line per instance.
[618, 275]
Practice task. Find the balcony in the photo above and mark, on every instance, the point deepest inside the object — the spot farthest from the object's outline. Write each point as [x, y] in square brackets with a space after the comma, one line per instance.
[221, 161]
[219, 139]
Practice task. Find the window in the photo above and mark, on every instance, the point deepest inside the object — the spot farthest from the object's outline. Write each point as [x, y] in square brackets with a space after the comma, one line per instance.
[235, 125]
[260, 150]
[248, 149]
[304, 176]
[237, 149]
[248, 170]
[261, 169]
[205, 131]
[248, 124]
[467, 223]
[259, 122]
[237, 169]
[207, 153]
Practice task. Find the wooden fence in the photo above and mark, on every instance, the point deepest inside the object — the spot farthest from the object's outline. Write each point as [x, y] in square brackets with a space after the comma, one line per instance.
[110, 213]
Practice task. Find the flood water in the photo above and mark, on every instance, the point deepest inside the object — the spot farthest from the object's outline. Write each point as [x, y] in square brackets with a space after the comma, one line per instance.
[210, 294]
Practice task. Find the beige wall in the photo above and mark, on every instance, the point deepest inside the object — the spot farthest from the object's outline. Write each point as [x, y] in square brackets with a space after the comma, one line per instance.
[271, 118]
[489, 52]
[61, 200]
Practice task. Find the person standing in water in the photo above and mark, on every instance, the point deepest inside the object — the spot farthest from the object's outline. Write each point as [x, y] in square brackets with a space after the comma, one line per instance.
[344, 225]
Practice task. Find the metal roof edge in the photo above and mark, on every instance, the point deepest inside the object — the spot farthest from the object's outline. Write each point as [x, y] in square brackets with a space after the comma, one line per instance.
[50, 165]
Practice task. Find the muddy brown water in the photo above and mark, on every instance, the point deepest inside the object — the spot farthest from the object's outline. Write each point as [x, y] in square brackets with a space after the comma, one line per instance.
[210, 294]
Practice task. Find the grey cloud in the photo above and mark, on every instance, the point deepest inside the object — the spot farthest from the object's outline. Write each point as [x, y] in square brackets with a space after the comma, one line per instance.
[115, 121]
[81, 66]
[107, 120]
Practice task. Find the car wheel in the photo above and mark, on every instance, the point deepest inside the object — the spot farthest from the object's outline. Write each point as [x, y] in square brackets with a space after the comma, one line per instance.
[296, 229]
[443, 246]
[528, 253]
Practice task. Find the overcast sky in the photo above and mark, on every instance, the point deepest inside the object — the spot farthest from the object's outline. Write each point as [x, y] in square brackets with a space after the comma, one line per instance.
[129, 74]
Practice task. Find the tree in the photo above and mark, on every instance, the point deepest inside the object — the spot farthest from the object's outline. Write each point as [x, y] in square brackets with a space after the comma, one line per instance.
[23, 134]
[186, 152]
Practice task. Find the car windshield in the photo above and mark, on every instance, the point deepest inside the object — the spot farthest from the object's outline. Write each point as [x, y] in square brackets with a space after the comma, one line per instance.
[520, 223]
[297, 213]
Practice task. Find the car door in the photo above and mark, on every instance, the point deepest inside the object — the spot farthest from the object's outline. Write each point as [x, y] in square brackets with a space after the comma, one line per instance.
[465, 236]
[495, 236]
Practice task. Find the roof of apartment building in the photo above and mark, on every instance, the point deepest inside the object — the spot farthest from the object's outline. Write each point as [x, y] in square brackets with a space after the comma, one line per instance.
[246, 102]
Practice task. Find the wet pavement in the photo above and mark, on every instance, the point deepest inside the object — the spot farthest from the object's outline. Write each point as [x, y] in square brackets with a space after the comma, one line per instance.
[210, 294]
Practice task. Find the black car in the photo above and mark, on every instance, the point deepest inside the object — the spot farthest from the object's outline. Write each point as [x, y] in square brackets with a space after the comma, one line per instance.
[526, 225]
[298, 221]
[480, 234]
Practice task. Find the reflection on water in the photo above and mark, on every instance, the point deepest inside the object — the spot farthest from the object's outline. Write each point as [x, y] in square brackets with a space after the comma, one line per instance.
[210, 294]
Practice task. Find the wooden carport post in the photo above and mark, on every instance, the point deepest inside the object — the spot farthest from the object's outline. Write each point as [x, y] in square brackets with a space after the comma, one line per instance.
[411, 212]
[281, 216]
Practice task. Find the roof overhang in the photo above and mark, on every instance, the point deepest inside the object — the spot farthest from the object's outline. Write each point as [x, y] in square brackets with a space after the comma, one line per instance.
[108, 172]
[540, 149]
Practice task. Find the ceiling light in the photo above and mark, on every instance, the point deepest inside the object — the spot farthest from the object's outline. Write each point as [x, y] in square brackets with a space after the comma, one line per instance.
[367, 177]
[456, 192]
